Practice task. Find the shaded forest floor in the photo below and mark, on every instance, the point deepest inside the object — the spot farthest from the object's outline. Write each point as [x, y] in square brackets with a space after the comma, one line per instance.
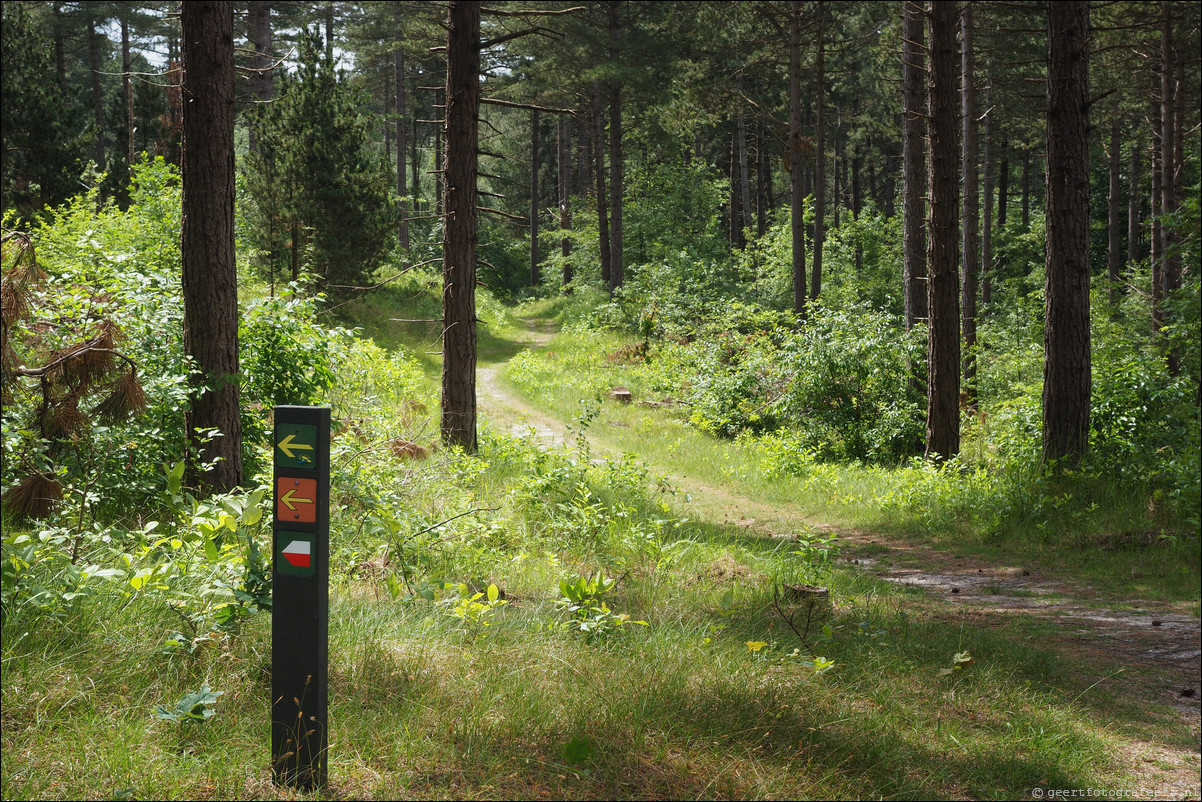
[1148, 653]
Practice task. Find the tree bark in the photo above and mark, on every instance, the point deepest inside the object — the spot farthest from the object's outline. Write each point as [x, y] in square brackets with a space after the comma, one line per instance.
[819, 163]
[1066, 373]
[943, 114]
[534, 205]
[1171, 123]
[616, 267]
[914, 264]
[261, 84]
[969, 208]
[459, 226]
[402, 191]
[793, 154]
[210, 285]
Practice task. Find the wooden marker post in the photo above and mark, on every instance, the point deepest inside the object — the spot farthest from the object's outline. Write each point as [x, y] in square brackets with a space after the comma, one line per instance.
[300, 596]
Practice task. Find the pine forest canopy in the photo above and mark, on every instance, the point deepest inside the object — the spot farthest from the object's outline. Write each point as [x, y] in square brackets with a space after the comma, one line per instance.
[671, 153]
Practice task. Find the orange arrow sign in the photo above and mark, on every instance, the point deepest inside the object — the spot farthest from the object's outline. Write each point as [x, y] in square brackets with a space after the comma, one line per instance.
[294, 499]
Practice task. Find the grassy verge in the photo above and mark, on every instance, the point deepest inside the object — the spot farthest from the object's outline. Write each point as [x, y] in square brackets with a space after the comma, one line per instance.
[1084, 528]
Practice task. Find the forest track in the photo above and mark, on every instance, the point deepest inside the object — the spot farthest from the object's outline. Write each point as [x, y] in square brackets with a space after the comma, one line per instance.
[1142, 649]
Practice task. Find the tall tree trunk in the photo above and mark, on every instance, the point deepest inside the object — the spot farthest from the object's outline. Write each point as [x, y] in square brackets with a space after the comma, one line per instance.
[1114, 254]
[914, 257]
[565, 194]
[943, 113]
[819, 163]
[616, 187]
[439, 176]
[761, 181]
[602, 200]
[1172, 116]
[97, 97]
[987, 209]
[856, 201]
[398, 67]
[329, 20]
[1134, 223]
[584, 173]
[793, 154]
[210, 282]
[1156, 201]
[459, 227]
[744, 173]
[259, 23]
[1066, 372]
[969, 209]
[534, 204]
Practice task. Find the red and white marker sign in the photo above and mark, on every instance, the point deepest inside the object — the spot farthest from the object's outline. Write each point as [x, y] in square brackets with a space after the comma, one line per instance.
[298, 553]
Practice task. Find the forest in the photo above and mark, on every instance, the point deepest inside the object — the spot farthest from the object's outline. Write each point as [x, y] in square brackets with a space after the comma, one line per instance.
[750, 400]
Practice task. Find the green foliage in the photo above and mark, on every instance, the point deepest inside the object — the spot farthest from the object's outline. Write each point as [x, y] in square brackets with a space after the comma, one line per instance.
[319, 198]
[39, 142]
[588, 612]
[474, 614]
[195, 707]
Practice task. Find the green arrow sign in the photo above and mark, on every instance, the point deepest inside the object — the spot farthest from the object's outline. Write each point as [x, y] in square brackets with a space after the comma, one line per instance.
[295, 445]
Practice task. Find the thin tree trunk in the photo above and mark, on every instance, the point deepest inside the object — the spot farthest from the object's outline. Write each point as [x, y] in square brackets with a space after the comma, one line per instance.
[1026, 219]
[793, 162]
[127, 89]
[914, 269]
[819, 163]
[329, 20]
[1114, 254]
[210, 284]
[259, 23]
[943, 113]
[1003, 192]
[1066, 372]
[534, 204]
[1157, 240]
[459, 227]
[616, 267]
[398, 66]
[987, 210]
[565, 194]
[856, 201]
[1174, 160]
[1134, 224]
[761, 181]
[97, 97]
[744, 174]
[602, 201]
[969, 209]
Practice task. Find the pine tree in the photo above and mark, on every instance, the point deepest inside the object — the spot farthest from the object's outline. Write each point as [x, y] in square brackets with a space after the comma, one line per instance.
[322, 200]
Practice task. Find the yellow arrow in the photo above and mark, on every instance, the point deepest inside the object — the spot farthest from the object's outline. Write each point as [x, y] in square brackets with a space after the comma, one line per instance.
[288, 499]
[286, 445]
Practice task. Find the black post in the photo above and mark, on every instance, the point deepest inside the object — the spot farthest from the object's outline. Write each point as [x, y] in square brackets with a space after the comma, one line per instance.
[300, 597]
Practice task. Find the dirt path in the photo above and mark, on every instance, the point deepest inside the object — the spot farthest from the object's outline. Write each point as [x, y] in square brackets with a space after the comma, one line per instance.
[1144, 649]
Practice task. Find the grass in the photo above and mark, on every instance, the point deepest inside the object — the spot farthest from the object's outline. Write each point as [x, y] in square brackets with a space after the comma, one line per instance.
[1097, 536]
[424, 706]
